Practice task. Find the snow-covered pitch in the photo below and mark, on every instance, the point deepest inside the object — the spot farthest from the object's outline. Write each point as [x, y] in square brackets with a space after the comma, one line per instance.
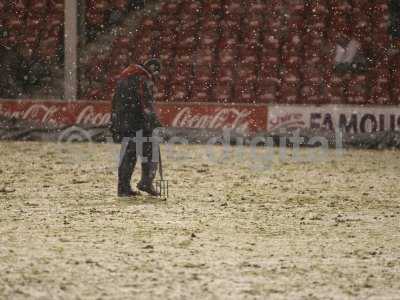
[289, 230]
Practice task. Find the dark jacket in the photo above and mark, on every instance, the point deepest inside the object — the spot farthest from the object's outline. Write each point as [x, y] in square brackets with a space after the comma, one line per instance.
[132, 105]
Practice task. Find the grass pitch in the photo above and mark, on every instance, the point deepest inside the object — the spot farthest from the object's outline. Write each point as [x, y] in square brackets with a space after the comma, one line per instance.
[237, 229]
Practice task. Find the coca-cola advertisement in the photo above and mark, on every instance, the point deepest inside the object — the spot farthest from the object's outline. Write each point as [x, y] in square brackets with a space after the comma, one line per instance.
[241, 118]
[57, 113]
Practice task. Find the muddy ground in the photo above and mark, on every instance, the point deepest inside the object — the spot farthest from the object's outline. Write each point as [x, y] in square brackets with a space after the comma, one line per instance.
[286, 229]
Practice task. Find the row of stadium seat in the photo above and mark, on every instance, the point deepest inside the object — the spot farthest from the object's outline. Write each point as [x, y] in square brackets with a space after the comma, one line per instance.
[33, 31]
[100, 13]
[245, 84]
[34, 27]
[257, 51]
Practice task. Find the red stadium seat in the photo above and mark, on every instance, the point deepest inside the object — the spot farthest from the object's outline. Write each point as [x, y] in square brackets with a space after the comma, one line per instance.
[257, 8]
[225, 73]
[212, 8]
[208, 39]
[181, 76]
[166, 56]
[296, 16]
[269, 65]
[34, 23]
[291, 52]
[230, 26]
[271, 41]
[183, 61]
[357, 91]
[315, 57]
[245, 91]
[227, 56]
[361, 23]
[340, 22]
[96, 70]
[96, 93]
[161, 87]
[340, 7]
[317, 11]
[95, 13]
[229, 40]
[290, 87]
[335, 88]
[48, 48]
[222, 91]
[273, 25]
[179, 91]
[169, 8]
[252, 24]
[38, 7]
[190, 8]
[267, 89]
[201, 89]
[248, 55]
[233, 10]
[168, 38]
[171, 24]
[395, 90]
[312, 84]
[205, 57]
[210, 24]
[56, 7]
[120, 4]
[395, 79]
[18, 7]
[380, 85]
[147, 24]
[186, 44]
[15, 23]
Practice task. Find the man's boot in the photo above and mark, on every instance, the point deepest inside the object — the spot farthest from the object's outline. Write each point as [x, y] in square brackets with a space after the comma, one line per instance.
[126, 191]
[149, 171]
[125, 170]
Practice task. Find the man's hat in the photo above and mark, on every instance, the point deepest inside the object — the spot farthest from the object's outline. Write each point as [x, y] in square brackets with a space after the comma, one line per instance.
[153, 65]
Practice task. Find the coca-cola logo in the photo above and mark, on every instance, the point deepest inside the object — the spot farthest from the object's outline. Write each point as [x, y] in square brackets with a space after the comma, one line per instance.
[38, 112]
[89, 116]
[220, 118]
[41, 113]
[59, 114]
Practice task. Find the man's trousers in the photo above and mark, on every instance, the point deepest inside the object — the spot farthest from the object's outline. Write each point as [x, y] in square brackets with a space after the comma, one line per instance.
[130, 152]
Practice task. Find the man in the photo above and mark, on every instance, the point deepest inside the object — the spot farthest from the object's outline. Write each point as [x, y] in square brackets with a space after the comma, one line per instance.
[134, 120]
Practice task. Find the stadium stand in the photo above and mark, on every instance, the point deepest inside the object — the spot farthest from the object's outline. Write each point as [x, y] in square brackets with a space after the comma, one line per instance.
[256, 51]
[260, 52]
[34, 29]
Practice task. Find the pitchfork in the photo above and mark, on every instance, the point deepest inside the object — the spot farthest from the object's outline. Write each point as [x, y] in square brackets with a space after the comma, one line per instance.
[162, 185]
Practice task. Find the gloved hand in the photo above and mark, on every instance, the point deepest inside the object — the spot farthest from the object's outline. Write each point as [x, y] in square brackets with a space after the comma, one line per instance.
[153, 121]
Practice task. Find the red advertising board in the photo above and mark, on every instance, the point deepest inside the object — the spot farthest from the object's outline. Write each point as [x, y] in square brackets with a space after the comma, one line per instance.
[241, 117]
[244, 118]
